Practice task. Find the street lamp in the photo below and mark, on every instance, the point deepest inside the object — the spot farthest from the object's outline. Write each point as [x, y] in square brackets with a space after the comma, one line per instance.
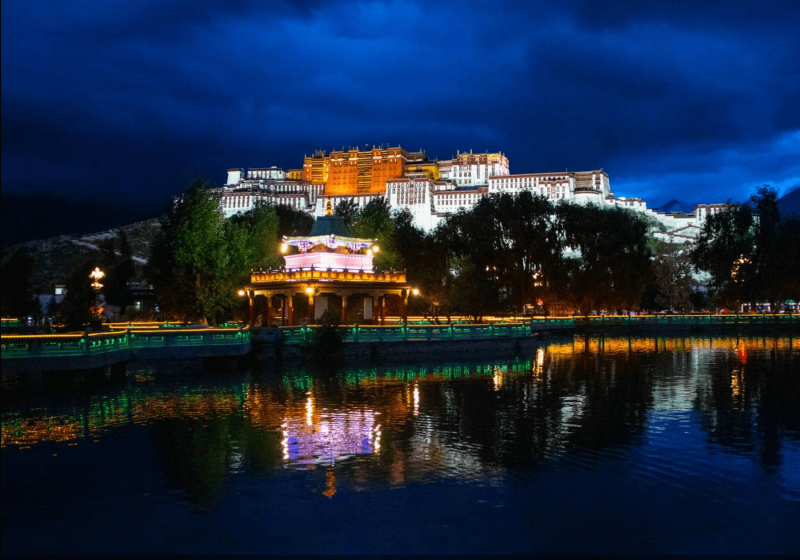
[96, 275]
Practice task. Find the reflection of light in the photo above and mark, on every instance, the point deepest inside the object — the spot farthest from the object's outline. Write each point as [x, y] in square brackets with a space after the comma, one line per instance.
[497, 378]
[285, 441]
[741, 350]
[736, 386]
[309, 410]
[330, 484]
[539, 359]
[416, 400]
[376, 444]
[329, 436]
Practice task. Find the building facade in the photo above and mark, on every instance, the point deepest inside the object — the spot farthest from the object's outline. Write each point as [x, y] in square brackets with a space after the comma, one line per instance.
[431, 189]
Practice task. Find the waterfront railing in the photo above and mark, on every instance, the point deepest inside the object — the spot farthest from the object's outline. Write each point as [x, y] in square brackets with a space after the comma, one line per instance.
[125, 344]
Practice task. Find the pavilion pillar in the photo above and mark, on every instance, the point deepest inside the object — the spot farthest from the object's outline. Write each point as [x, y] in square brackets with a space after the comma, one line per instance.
[344, 308]
[369, 310]
[405, 306]
[310, 308]
[290, 303]
[383, 309]
[252, 299]
[269, 311]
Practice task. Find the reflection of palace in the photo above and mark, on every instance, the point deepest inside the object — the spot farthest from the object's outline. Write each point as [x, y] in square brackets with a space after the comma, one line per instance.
[431, 189]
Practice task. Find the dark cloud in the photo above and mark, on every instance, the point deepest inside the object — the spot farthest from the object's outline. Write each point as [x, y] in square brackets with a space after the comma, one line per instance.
[692, 100]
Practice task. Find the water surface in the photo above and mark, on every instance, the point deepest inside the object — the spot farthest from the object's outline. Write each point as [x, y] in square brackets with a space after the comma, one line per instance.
[643, 445]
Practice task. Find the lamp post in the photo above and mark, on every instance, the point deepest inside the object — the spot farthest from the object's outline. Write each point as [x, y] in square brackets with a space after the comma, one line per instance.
[96, 275]
[310, 293]
[408, 292]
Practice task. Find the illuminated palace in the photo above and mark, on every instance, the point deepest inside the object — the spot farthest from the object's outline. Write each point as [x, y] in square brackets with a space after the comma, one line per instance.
[430, 189]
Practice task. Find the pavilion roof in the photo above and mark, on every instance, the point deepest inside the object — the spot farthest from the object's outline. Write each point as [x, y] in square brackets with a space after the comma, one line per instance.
[330, 225]
[331, 231]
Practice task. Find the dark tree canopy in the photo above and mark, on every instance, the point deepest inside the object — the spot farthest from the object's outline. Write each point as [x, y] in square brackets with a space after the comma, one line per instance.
[199, 259]
[750, 252]
[18, 299]
[293, 222]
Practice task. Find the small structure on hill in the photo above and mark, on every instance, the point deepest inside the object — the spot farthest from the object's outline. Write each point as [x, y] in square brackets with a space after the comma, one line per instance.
[329, 268]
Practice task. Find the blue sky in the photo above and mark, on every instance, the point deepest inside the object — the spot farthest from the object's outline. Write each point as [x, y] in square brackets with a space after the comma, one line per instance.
[128, 101]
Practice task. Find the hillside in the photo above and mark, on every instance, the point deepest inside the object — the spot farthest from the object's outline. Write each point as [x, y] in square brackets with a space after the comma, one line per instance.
[675, 205]
[56, 256]
[790, 203]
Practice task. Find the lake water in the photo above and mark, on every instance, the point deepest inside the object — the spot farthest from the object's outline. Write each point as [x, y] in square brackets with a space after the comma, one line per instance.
[643, 445]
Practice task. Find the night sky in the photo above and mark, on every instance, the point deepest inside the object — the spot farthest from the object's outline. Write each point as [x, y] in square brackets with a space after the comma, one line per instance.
[125, 102]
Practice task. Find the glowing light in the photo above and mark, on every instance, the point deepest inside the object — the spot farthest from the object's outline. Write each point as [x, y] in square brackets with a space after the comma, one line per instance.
[737, 265]
[309, 290]
[284, 248]
[375, 248]
[240, 292]
[96, 275]
[415, 291]
[497, 378]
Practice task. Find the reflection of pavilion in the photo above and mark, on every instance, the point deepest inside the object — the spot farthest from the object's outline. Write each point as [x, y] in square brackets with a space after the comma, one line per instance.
[330, 269]
[328, 436]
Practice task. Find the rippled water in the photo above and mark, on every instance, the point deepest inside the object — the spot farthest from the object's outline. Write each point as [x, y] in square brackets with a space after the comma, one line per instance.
[668, 445]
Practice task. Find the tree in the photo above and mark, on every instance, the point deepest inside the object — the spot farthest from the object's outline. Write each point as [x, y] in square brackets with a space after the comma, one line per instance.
[347, 210]
[253, 238]
[769, 250]
[190, 265]
[608, 260]
[513, 240]
[199, 260]
[18, 299]
[474, 292]
[75, 310]
[725, 249]
[750, 252]
[119, 268]
[672, 275]
[787, 275]
[424, 259]
[292, 222]
[374, 221]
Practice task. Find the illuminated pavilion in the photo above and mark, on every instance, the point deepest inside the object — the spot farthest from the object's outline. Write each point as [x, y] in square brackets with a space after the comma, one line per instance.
[327, 266]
